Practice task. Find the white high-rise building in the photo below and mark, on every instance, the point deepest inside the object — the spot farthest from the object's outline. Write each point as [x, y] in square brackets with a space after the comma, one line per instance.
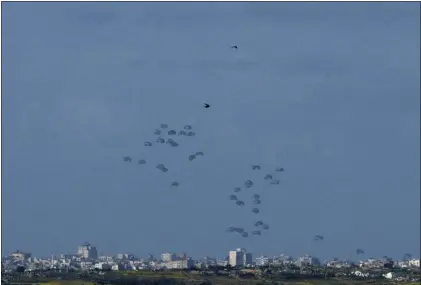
[307, 260]
[239, 257]
[87, 251]
[168, 256]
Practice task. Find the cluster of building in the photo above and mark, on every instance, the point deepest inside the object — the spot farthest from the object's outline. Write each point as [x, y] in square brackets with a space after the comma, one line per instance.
[87, 258]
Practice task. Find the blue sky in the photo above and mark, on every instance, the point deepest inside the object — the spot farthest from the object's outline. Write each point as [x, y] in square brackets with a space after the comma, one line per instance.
[329, 91]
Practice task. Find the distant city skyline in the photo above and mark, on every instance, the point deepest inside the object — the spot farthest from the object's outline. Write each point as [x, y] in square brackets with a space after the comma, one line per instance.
[328, 91]
[89, 251]
[87, 263]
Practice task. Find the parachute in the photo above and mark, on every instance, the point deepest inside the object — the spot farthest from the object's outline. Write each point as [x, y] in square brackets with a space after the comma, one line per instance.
[248, 184]
[255, 167]
[162, 167]
[268, 177]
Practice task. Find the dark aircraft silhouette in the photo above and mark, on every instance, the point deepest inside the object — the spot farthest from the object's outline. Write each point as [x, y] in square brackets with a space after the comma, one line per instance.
[236, 47]
[207, 105]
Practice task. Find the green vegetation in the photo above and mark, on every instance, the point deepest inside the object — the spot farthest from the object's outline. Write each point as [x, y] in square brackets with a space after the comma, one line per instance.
[186, 278]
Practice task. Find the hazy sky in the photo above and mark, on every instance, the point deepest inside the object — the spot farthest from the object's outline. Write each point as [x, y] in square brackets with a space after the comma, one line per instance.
[329, 91]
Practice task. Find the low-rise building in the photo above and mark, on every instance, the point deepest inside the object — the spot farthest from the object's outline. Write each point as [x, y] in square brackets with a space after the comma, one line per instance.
[361, 274]
[414, 262]
[102, 266]
[185, 263]
[21, 255]
[389, 275]
[262, 261]
[86, 265]
[115, 267]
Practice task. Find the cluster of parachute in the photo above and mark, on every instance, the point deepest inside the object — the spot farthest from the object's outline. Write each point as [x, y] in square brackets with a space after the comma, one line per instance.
[168, 136]
[320, 238]
[165, 137]
[256, 202]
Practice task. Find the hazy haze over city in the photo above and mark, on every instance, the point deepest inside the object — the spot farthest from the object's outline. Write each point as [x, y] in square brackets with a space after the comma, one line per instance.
[329, 91]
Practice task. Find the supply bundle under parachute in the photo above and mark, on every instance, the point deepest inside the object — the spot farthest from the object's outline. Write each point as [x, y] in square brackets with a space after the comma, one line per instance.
[268, 177]
[248, 184]
[257, 183]
[165, 137]
[170, 137]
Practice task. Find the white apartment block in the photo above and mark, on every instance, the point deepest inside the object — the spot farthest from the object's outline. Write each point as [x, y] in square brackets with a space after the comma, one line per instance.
[239, 257]
[87, 251]
[168, 256]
